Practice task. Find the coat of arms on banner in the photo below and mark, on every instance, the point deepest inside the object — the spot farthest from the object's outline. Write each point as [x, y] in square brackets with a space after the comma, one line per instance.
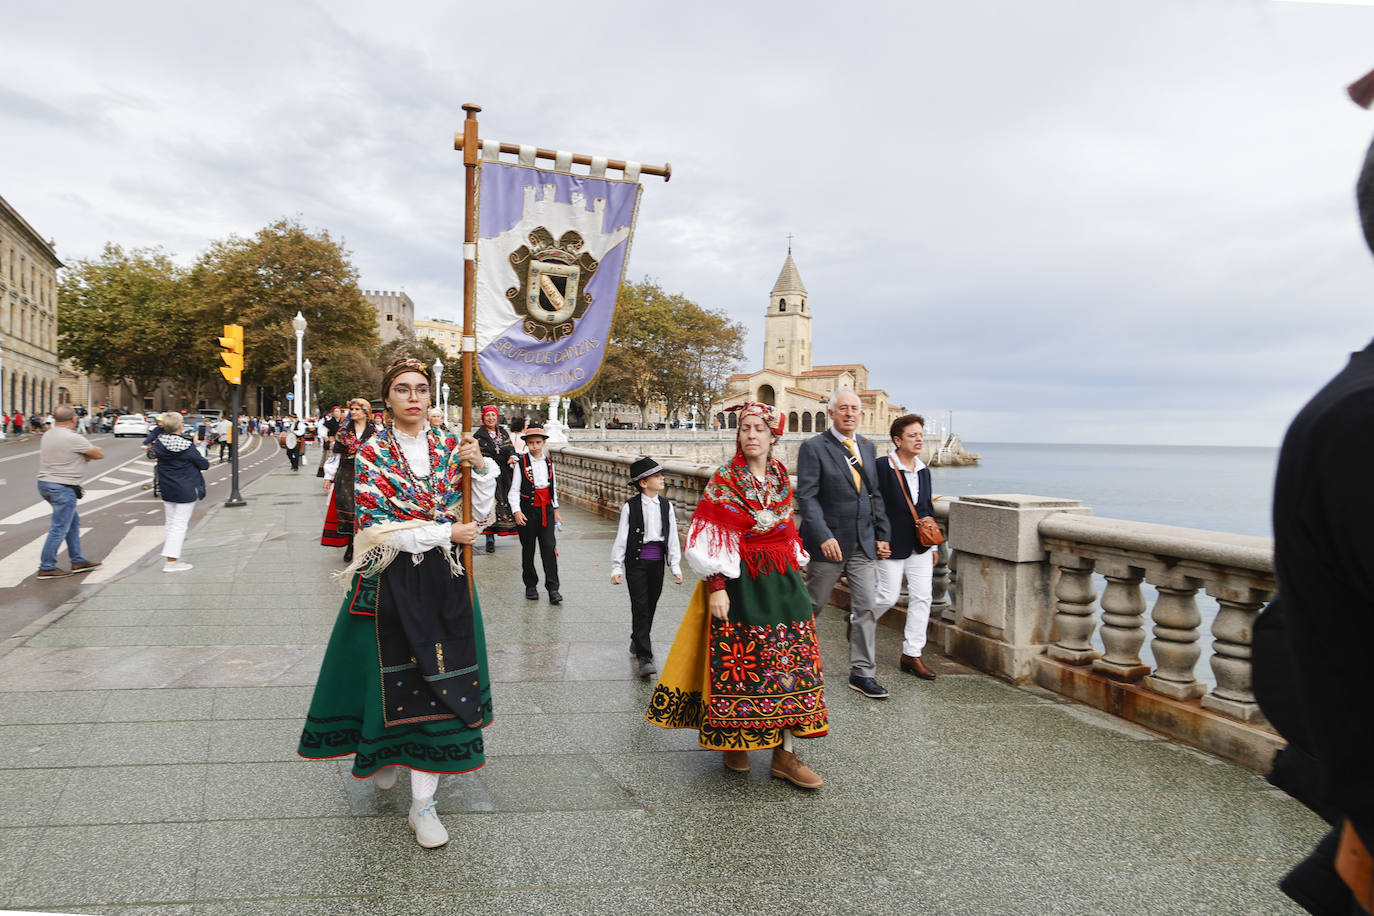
[552, 280]
[552, 248]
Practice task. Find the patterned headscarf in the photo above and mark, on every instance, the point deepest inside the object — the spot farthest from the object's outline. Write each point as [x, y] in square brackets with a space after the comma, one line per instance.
[490, 408]
[770, 415]
[409, 364]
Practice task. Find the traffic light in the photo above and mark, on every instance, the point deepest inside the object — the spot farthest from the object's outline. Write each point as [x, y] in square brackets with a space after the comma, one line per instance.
[232, 354]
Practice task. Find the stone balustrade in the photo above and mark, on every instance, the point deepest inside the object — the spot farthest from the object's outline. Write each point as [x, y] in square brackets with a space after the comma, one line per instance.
[1015, 595]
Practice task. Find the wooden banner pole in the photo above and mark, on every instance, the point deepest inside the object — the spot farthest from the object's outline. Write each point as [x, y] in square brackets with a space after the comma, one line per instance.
[461, 142]
[471, 152]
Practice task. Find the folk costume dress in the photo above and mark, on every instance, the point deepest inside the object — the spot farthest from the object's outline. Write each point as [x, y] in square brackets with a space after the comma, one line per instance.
[496, 444]
[340, 518]
[404, 678]
[744, 680]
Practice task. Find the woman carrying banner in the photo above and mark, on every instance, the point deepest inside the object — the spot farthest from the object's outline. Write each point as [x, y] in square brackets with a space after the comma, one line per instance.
[404, 680]
[496, 445]
[745, 668]
[339, 471]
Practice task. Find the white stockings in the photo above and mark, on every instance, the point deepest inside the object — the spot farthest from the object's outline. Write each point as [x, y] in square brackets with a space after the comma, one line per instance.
[423, 785]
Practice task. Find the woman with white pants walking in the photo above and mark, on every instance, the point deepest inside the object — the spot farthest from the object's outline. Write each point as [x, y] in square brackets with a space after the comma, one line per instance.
[181, 482]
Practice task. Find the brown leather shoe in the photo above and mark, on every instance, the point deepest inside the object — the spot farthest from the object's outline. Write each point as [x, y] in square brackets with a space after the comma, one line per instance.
[737, 761]
[786, 765]
[84, 565]
[55, 573]
[912, 664]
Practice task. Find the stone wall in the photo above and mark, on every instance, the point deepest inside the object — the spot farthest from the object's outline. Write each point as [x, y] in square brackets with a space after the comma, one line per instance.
[1014, 596]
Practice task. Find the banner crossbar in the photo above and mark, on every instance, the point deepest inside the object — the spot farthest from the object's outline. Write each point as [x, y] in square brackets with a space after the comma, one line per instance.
[664, 171]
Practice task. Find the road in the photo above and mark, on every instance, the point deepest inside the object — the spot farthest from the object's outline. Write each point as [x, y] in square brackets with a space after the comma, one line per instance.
[121, 521]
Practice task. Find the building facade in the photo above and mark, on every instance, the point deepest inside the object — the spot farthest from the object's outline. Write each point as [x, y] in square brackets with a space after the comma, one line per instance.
[790, 381]
[28, 317]
[395, 311]
[447, 335]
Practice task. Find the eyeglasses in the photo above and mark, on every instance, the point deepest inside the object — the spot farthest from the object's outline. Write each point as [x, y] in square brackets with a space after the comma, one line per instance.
[405, 391]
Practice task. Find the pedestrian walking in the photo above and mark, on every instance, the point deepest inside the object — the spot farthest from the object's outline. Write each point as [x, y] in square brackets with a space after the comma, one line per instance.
[222, 430]
[645, 543]
[534, 496]
[496, 444]
[181, 481]
[904, 484]
[62, 457]
[404, 681]
[340, 477]
[745, 668]
[844, 528]
[293, 440]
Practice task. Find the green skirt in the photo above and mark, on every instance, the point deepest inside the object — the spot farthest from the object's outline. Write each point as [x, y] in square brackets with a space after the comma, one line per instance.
[345, 714]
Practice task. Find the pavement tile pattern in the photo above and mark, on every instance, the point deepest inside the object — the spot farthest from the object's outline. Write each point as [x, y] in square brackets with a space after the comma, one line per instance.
[147, 750]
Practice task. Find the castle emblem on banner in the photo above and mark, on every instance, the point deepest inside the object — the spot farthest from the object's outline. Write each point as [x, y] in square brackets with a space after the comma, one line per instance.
[552, 280]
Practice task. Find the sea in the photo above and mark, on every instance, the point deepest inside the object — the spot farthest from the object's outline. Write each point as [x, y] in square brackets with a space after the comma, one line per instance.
[1217, 488]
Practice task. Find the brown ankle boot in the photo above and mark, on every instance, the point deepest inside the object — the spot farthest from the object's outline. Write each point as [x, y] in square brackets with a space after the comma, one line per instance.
[737, 761]
[786, 765]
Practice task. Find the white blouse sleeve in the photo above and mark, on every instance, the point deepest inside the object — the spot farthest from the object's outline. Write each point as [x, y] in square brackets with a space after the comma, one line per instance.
[484, 490]
[674, 545]
[711, 550]
[420, 540]
[622, 537]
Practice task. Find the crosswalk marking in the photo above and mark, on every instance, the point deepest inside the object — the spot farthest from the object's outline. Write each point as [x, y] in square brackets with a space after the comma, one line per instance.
[131, 547]
[23, 562]
[115, 480]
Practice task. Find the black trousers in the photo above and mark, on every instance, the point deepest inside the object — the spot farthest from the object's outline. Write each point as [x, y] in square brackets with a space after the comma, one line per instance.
[535, 532]
[645, 581]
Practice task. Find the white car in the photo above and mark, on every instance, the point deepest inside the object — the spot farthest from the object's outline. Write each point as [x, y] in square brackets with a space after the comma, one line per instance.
[131, 424]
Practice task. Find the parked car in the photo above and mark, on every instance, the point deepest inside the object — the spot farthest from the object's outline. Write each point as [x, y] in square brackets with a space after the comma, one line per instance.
[131, 424]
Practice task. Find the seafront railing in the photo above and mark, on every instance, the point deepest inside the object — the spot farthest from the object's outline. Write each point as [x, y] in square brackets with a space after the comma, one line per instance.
[1015, 595]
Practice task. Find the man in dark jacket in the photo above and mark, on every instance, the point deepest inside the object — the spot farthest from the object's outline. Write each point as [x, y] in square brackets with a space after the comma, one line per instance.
[904, 482]
[1311, 644]
[844, 528]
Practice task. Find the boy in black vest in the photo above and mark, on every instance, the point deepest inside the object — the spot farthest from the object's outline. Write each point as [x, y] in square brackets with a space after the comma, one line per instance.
[647, 537]
[534, 497]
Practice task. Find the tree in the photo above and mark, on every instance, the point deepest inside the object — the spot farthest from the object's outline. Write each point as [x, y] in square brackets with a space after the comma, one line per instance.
[263, 281]
[123, 316]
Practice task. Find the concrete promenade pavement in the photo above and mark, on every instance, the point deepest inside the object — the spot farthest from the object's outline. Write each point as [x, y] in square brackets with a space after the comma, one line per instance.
[148, 735]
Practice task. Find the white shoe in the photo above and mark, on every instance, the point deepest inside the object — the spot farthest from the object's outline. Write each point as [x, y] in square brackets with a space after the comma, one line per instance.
[385, 778]
[178, 566]
[424, 820]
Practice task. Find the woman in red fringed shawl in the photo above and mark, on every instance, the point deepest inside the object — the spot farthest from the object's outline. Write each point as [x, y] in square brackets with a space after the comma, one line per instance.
[339, 473]
[404, 680]
[745, 668]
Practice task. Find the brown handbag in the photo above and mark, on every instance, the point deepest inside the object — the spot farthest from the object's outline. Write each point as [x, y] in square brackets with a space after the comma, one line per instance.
[927, 529]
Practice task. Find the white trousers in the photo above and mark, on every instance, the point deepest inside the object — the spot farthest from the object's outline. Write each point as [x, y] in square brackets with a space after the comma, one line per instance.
[917, 569]
[177, 517]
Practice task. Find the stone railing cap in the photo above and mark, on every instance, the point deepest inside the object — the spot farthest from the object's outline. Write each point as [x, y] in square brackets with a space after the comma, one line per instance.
[1218, 547]
[1021, 501]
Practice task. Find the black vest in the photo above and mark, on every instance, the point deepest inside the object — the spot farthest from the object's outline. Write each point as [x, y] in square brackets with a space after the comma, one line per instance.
[636, 539]
[527, 483]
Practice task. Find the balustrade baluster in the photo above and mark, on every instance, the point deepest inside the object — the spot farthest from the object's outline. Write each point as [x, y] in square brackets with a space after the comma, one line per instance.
[1074, 607]
[1123, 623]
[1234, 629]
[1176, 648]
[952, 609]
[939, 585]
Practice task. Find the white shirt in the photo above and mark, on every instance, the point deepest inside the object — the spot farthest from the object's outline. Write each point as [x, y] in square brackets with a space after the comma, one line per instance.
[912, 475]
[539, 471]
[653, 531]
[419, 540]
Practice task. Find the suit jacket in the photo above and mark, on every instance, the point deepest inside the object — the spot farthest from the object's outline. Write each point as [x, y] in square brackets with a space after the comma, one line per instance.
[895, 502]
[829, 504]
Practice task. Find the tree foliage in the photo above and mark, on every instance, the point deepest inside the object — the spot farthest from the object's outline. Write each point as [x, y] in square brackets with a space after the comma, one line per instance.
[123, 316]
[666, 348]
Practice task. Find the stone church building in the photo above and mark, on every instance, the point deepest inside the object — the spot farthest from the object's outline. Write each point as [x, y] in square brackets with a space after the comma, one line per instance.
[790, 381]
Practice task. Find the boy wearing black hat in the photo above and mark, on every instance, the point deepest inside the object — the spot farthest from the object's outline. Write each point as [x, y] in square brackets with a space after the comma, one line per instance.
[646, 539]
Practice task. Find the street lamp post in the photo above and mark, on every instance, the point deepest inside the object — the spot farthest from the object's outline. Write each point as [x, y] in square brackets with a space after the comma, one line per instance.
[438, 380]
[305, 408]
[2, 395]
[444, 391]
[299, 324]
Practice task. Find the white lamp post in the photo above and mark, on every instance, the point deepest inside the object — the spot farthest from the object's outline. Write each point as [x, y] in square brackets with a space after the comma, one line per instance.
[299, 324]
[444, 390]
[305, 409]
[2, 394]
[438, 381]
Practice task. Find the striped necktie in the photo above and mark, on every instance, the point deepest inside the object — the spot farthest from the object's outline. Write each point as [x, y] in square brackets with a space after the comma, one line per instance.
[855, 463]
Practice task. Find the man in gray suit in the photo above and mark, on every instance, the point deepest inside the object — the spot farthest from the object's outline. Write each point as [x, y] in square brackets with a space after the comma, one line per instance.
[844, 528]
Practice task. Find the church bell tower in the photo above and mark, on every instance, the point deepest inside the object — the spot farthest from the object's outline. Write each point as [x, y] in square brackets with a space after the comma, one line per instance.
[787, 323]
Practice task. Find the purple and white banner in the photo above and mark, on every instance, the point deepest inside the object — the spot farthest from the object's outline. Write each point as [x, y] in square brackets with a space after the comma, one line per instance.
[552, 248]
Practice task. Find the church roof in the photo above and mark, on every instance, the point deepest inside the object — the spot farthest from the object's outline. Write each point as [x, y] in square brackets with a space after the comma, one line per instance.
[789, 281]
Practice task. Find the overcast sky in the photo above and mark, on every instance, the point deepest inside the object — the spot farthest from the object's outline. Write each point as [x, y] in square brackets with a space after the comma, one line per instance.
[1070, 221]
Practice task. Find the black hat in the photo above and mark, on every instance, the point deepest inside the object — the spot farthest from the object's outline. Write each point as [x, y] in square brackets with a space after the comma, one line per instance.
[644, 467]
